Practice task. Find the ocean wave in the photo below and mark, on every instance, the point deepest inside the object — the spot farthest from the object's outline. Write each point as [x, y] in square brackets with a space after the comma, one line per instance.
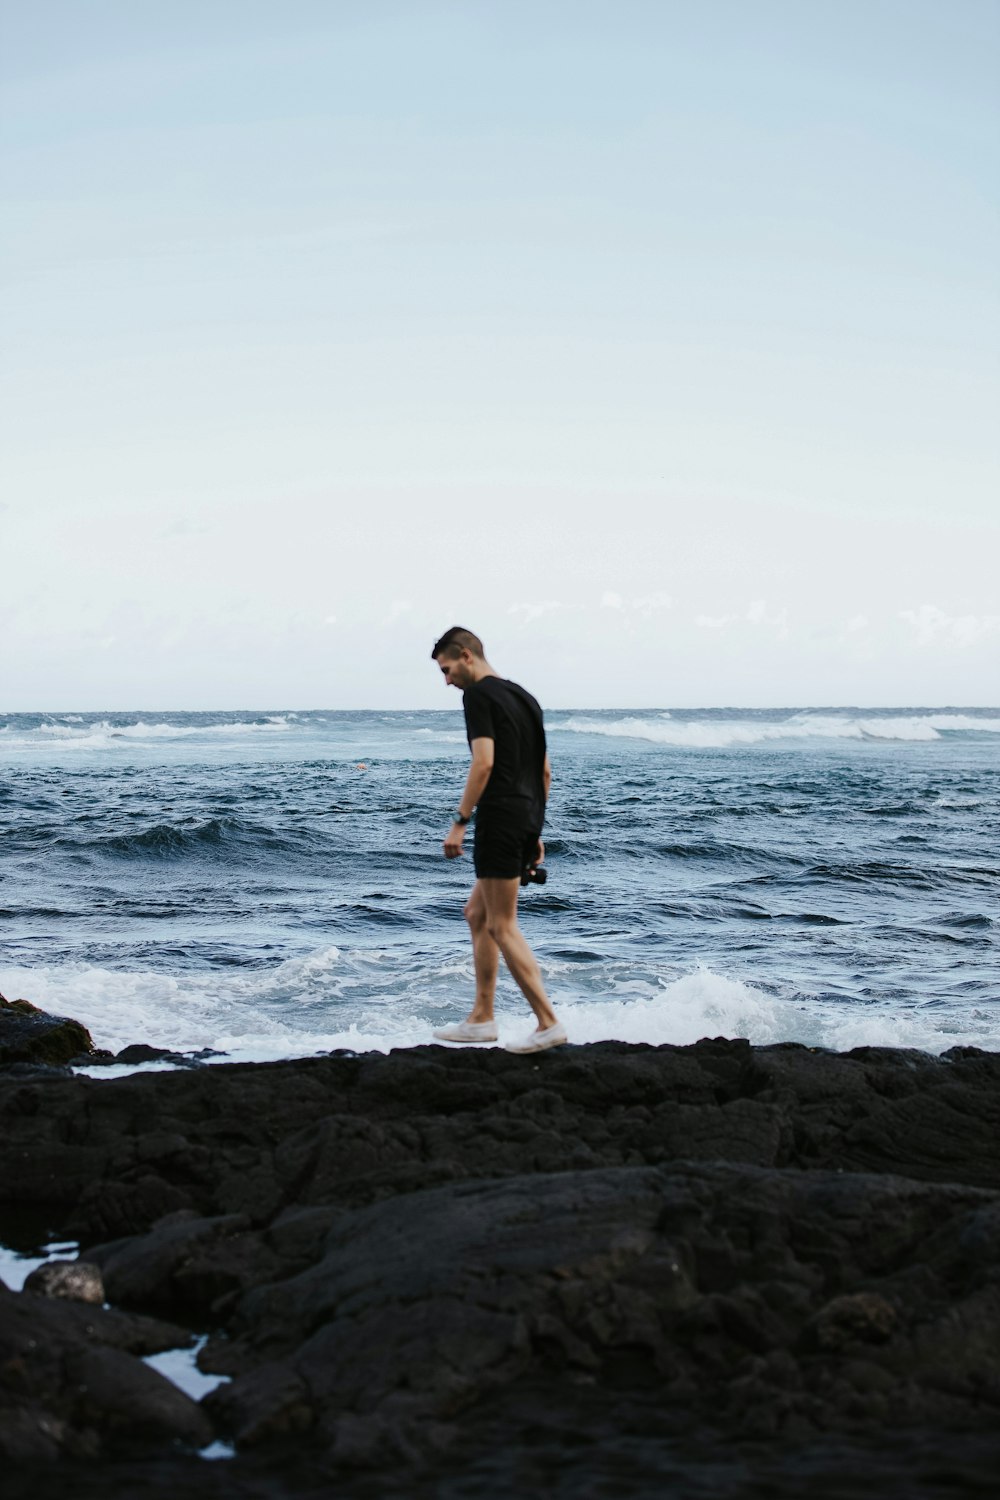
[166, 839]
[877, 872]
[709, 734]
[733, 856]
[105, 734]
[382, 999]
[169, 840]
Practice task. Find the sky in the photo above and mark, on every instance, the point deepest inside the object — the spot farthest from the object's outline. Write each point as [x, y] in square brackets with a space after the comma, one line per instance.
[655, 342]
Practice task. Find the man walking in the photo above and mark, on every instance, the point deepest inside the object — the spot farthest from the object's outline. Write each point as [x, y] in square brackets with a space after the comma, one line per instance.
[508, 782]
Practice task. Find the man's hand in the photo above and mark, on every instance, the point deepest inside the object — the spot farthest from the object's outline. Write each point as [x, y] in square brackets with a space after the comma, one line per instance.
[540, 856]
[453, 842]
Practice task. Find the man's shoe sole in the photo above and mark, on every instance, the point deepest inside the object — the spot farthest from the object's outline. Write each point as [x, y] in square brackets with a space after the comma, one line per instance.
[558, 1041]
[466, 1041]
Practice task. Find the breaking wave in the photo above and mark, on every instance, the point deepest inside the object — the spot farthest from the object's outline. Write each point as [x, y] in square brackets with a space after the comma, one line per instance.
[72, 732]
[719, 734]
[376, 1000]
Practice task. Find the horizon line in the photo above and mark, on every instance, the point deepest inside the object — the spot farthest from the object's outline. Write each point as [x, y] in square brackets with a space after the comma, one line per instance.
[574, 708]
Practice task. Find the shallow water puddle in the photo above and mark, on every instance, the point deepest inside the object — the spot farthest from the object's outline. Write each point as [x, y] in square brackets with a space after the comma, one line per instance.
[16, 1265]
[124, 1070]
[179, 1366]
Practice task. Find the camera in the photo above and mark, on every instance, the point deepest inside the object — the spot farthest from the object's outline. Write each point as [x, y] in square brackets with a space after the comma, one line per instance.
[534, 875]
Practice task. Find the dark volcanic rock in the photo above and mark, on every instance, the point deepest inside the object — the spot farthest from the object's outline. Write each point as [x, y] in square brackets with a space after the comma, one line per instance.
[140, 1052]
[28, 1034]
[757, 1302]
[413, 1261]
[186, 1263]
[111, 1158]
[71, 1382]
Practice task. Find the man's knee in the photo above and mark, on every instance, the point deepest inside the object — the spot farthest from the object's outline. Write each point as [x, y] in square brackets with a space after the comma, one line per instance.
[474, 914]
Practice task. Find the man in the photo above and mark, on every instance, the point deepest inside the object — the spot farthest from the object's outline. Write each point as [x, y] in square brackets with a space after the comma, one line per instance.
[508, 782]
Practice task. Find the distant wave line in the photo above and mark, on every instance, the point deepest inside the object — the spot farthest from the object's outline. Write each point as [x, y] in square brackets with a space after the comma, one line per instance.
[703, 734]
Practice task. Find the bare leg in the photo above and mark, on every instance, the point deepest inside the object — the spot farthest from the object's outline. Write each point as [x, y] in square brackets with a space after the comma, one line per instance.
[486, 956]
[500, 897]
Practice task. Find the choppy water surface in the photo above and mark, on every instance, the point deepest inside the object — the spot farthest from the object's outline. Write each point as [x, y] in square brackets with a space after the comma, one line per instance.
[236, 881]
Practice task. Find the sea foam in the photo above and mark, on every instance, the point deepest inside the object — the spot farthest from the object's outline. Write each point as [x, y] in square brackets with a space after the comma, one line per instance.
[709, 734]
[376, 1000]
[105, 734]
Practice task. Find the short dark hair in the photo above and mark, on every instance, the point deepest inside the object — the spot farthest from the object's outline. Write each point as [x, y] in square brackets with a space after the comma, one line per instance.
[455, 641]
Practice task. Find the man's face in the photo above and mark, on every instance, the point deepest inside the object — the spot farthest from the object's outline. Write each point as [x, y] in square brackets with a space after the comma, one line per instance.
[457, 670]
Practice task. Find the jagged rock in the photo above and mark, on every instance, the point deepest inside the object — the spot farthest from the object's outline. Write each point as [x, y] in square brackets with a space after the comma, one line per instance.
[71, 1384]
[140, 1052]
[185, 1263]
[76, 1280]
[622, 1259]
[28, 1034]
[709, 1284]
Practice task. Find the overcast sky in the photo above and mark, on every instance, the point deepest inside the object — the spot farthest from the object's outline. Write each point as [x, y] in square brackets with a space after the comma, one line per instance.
[657, 342]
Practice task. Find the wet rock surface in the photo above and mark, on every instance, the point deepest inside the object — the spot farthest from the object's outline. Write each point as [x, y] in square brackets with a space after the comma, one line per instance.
[72, 1383]
[28, 1034]
[753, 1270]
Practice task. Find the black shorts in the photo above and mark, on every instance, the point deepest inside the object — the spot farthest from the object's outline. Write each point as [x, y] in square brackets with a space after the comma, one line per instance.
[502, 848]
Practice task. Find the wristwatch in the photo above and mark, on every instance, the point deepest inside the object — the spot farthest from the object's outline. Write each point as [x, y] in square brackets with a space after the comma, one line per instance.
[462, 821]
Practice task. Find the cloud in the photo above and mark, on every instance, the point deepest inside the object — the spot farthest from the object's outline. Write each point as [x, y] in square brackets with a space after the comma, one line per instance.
[534, 611]
[648, 604]
[756, 614]
[645, 605]
[856, 623]
[933, 624]
[398, 608]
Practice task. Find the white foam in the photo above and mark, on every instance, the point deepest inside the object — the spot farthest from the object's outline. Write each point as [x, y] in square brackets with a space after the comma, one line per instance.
[296, 1008]
[376, 1000]
[703, 1003]
[706, 734]
[679, 1011]
[104, 735]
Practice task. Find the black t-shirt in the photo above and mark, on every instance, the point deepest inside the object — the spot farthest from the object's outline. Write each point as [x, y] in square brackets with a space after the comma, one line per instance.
[501, 711]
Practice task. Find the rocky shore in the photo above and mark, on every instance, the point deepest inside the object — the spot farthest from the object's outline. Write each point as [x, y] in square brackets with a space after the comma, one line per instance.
[612, 1270]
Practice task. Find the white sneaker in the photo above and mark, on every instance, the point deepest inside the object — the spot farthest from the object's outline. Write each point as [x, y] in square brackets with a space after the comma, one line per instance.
[552, 1036]
[467, 1031]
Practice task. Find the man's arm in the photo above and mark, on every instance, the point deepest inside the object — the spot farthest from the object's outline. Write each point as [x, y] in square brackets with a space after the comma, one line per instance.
[480, 772]
[546, 786]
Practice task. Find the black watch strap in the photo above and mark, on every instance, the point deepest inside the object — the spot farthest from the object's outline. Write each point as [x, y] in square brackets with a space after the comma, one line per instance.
[462, 821]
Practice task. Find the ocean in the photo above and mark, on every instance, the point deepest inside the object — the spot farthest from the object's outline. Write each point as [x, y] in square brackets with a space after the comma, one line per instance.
[270, 885]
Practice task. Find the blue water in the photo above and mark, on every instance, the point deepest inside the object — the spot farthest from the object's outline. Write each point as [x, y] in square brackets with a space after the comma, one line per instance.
[238, 881]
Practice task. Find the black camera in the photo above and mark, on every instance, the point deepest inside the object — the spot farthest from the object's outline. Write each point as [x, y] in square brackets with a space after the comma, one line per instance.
[534, 875]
